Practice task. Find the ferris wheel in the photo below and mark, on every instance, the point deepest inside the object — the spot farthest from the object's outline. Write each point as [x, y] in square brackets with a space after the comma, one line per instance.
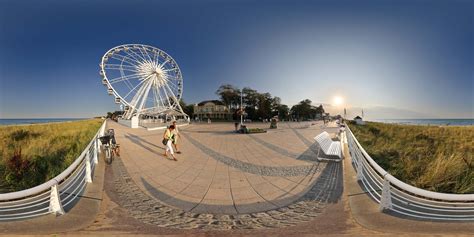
[144, 79]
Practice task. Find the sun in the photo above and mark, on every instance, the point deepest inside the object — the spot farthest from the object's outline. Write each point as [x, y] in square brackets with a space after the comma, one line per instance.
[338, 100]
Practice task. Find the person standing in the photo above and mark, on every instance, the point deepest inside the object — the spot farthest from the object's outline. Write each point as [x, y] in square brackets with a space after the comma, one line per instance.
[175, 136]
[167, 141]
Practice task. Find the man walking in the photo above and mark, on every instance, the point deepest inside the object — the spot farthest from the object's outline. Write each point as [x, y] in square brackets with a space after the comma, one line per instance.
[175, 137]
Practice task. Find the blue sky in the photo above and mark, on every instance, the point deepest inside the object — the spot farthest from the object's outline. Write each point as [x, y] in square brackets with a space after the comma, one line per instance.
[411, 58]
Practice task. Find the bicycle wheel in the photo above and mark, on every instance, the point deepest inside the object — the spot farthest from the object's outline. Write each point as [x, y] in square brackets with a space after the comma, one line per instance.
[108, 155]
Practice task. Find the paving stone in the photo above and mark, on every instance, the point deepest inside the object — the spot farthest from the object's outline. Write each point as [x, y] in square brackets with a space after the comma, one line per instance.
[151, 209]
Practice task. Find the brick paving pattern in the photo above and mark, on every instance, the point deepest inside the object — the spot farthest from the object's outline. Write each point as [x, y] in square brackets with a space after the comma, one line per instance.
[225, 180]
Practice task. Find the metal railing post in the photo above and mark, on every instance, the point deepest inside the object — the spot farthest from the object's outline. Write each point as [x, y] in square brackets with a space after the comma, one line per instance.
[386, 199]
[88, 177]
[360, 171]
[55, 206]
[96, 151]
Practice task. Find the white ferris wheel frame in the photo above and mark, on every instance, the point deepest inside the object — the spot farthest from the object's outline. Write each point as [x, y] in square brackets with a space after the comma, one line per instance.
[153, 75]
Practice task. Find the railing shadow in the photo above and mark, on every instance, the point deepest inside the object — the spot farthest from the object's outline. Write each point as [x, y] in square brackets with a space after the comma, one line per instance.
[329, 186]
[141, 142]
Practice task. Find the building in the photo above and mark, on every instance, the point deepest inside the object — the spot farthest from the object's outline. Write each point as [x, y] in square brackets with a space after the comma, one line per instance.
[359, 120]
[213, 109]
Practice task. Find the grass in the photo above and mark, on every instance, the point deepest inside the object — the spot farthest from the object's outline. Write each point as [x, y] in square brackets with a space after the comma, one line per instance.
[33, 154]
[434, 158]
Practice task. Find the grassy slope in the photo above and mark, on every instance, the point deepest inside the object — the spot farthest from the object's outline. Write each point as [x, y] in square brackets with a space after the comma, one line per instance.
[434, 158]
[46, 150]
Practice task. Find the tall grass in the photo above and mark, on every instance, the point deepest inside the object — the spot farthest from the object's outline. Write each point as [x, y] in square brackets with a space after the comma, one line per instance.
[439, 159]
[33, 154]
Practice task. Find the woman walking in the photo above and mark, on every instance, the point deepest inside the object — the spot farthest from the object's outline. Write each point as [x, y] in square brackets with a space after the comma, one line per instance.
[167, 141]
[175, 135]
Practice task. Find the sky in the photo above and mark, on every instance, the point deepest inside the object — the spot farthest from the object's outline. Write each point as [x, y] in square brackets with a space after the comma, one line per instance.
[394, 59]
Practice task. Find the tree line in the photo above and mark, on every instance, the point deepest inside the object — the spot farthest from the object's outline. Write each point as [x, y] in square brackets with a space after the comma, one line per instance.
[259, 106]
[256, 105]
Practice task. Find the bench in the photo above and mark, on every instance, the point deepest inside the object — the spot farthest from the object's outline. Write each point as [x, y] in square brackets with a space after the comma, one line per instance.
[330, 148]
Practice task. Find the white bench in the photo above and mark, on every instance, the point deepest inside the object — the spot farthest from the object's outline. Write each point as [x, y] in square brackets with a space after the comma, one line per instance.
[328, 146]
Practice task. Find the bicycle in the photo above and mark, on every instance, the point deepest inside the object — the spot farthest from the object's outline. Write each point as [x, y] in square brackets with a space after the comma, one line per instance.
[110, 147]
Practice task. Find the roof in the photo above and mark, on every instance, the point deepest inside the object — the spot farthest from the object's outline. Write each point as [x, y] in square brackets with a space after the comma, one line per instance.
[357, 117]
[217, 102]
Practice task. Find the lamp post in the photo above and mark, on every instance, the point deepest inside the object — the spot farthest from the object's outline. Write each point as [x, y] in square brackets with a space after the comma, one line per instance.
[241, 109]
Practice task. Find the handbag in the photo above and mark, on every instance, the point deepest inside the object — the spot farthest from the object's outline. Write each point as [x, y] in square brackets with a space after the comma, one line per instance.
[165, 141]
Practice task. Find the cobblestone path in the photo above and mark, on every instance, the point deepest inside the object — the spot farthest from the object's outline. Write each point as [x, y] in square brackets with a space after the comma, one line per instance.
[326, 189]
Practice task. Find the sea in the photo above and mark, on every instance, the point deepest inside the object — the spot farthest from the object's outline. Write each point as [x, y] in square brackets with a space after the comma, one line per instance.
[35, 121]
[445, 122]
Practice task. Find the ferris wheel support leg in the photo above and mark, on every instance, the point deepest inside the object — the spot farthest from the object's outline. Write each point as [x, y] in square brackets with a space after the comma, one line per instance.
[134, 122]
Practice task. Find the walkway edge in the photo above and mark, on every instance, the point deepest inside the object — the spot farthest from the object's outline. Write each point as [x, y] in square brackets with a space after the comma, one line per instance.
[79, 217]
[365, 212]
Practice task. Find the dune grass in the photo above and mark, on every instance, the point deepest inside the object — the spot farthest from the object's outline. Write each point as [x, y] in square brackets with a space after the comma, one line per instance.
[434, 158]
[33, 154]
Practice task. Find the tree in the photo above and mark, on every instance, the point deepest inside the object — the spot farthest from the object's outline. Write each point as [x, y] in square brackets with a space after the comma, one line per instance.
[320, 111]
[264, 105]
[279, 109]
[114, 115]
[250, 97]
[229, 95]
[250, 100]
[256, 105]
[302, 110]
[283, 112]
[187, 109]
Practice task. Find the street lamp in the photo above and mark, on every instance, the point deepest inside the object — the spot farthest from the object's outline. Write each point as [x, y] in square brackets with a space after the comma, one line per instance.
[241, 109]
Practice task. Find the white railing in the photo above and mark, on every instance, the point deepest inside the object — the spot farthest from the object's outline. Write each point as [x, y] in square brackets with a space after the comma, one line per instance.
[56, 195]
[399, 197]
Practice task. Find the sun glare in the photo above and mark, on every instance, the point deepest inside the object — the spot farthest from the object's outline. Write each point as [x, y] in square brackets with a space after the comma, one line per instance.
[338, 100]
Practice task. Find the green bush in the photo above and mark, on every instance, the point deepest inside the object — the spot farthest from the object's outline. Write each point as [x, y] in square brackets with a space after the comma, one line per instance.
[256, 130]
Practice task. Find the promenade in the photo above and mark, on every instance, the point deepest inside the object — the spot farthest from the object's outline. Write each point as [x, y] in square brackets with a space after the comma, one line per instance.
[222, 172]
[228, 184]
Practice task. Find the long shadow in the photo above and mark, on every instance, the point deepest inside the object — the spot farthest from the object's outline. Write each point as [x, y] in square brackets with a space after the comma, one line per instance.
[212, 132]
[312, 150]
[301, 170]
[140, 142]
[275, 148]
[176, 202]
[329, 185]
[307, 155]
[144, 141]
[328, 188]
